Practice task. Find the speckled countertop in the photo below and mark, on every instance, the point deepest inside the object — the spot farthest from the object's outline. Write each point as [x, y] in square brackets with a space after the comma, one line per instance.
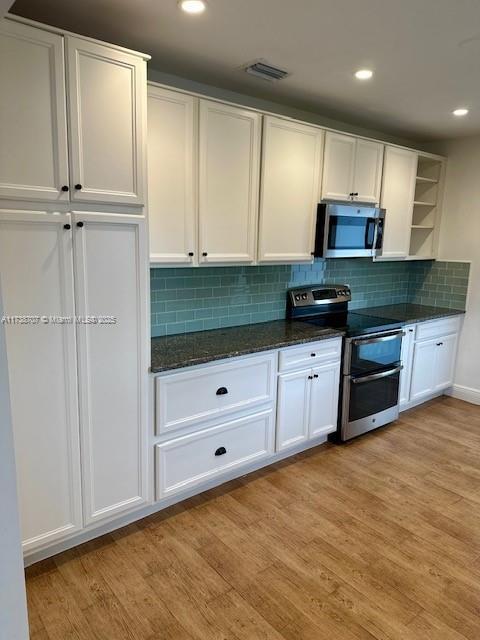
[409, 313]
[187, 349]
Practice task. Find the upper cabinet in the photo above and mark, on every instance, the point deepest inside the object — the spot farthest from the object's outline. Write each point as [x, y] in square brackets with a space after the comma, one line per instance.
[229, 167]
[101, 159]
[290, 184]
[172, 169]
[398, 192]
[352, 169]
[106, 121]
[33, 125]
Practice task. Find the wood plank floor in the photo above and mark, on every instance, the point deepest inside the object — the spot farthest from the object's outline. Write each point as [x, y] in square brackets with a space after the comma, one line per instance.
[377, 539]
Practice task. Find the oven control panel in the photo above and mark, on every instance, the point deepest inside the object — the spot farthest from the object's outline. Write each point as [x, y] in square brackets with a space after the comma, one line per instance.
[319, 295]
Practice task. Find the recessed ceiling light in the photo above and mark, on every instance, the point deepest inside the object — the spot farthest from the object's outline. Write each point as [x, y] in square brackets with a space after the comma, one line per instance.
[364, 74]
[460, 112]
[192, 6]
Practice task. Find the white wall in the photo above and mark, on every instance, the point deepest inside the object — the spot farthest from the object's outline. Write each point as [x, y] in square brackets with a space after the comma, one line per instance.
[13, 611]
[460, 240]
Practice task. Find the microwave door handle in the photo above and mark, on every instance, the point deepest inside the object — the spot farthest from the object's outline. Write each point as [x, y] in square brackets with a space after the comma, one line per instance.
[369, 244]
[377, 376]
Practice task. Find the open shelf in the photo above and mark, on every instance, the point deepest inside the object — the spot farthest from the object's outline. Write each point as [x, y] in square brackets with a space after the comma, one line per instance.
[422, 226]
[424, 180]
[419, 203]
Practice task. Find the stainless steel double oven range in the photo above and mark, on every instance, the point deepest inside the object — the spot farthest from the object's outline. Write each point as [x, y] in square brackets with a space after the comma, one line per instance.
[371, 366]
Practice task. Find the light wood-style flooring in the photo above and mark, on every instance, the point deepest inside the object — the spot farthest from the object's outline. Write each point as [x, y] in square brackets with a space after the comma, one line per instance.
[377, 539]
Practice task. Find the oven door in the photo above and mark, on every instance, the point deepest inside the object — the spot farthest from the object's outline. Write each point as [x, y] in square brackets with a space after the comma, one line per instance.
[349, 231]
[369, 402]
[369, 354]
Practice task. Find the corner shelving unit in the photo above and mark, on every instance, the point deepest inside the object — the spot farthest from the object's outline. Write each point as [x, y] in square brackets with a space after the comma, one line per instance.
[426, 207]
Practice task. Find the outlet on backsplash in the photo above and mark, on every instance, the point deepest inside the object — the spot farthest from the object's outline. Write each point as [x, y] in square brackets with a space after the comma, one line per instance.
[184, 300]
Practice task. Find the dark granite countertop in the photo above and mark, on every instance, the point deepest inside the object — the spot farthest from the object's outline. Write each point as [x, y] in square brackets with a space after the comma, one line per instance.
[409, 313]
[184, 350]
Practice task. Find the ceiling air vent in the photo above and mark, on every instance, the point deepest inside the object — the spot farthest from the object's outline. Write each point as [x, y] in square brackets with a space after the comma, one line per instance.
[266, 71]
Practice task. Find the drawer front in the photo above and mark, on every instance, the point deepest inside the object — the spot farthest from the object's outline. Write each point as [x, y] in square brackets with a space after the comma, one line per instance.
[193, 459]
[438, 328]
[310, 355]
[185, 398]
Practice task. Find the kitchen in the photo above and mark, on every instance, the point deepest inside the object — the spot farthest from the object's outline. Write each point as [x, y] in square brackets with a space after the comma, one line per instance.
[225, 316]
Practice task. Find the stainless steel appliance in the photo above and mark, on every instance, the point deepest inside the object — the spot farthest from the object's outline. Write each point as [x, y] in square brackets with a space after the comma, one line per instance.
[371, 357]
[349, 231]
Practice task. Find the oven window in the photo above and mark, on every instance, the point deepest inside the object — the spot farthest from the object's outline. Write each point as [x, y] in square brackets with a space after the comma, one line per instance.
[368, 398]
[349, 232]
[374, 355]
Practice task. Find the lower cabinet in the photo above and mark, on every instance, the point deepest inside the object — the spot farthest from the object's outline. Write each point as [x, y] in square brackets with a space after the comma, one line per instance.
[198, 457]
[307, 404]
[433, 366]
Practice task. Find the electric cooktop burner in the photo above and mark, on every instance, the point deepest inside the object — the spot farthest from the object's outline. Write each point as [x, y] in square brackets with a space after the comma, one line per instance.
[354, 324]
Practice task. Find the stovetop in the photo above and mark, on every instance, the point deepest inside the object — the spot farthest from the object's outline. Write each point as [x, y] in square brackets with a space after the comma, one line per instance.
[354, 324]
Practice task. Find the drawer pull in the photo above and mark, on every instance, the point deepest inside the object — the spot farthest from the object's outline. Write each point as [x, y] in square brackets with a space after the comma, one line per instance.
[221, 451]
[314, 355]
[222, 391]
[439, 344]
[315, 375]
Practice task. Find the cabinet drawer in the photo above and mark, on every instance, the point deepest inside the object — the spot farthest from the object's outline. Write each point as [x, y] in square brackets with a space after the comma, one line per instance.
[191, 396]
[195, 458]
[438, 328]
[310, 355]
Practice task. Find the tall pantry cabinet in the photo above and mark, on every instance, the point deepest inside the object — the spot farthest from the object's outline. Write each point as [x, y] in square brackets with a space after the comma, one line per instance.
[74, 273]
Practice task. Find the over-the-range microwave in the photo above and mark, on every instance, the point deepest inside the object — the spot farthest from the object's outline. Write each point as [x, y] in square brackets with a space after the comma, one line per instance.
[349, 231]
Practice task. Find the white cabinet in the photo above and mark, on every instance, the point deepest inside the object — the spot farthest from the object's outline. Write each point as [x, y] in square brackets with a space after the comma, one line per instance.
[172, 167]
[398, 193]
[37, 280]
[433, 366]
[229, 157]
[324, 400]
[33, 128]
[110, 272]
[291, 168]
[106, 123]
[408, 343]
[352, 169]
[292, 409]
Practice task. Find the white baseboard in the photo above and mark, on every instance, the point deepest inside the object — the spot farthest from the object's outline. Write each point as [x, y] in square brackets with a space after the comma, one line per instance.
[465, 393]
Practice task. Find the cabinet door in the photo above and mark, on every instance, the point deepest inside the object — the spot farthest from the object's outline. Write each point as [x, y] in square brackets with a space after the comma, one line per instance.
[445, 362]
[324, 400]
[111, 272]
[338, 166]
[106, 89]
[292, 412]
[33, 131]
[368, 171]
[37, 280]
[408, 342]
[423, 371]
[290, 190]
[172, 165]
[229, 182]
[398, 193]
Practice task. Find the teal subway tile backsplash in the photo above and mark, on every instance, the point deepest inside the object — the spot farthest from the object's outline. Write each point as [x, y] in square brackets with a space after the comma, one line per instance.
[188, 299]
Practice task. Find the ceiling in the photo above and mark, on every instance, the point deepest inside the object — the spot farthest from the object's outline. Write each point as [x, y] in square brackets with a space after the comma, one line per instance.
[425, 53]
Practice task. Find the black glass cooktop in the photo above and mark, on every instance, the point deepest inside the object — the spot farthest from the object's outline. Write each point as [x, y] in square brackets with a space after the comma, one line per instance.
[354, 324]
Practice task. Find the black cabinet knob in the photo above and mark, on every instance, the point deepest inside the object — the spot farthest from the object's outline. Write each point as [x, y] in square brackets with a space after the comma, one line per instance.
[65, 187]
[78, 187]
[191, 254]
[204, 254]
[314, 355]
[439, 344]
[80, 224]
[310, 377]
[315, 375]
[221, 451]
[411, 330]
[222, 391]
[67, 226]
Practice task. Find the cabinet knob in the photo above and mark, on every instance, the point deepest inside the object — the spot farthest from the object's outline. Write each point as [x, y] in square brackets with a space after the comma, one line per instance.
[222, 391]
[80, 224]
[411, 330]
[65, 187]
[310, 377]
[439, 344]
[313, 355]
[221, 451]
[67, 226]
[191, 254]
[204, 254]
[78, 187]
[315, 375]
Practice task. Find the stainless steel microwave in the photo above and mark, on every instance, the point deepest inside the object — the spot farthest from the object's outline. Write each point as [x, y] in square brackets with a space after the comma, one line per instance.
[349, 231]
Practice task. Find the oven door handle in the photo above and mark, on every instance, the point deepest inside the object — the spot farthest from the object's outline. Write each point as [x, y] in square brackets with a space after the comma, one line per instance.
[390, 336]
[376, 376]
